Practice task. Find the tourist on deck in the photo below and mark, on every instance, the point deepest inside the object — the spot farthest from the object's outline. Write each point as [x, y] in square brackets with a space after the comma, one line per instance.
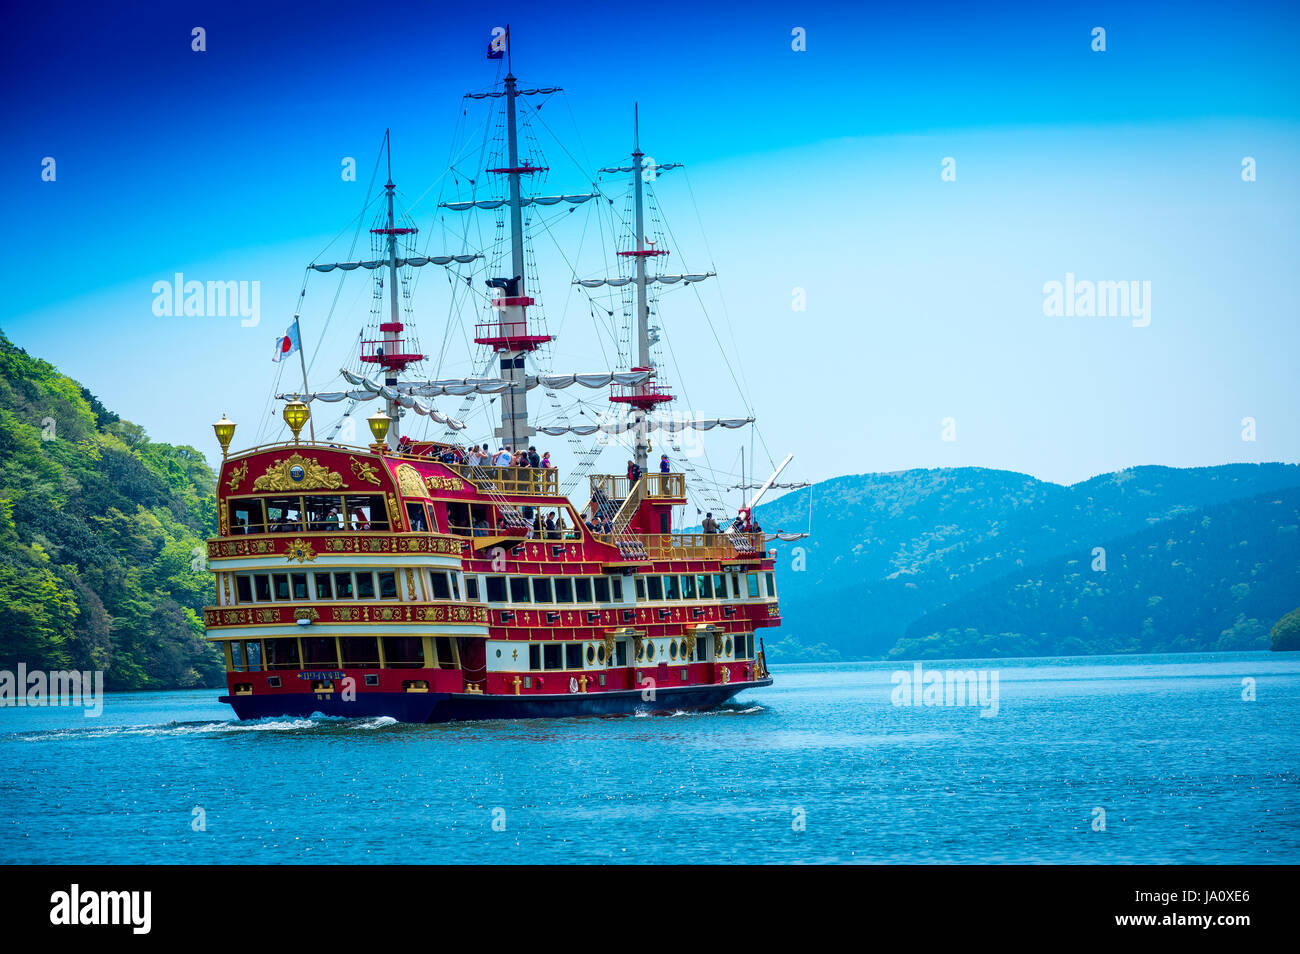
[546, 460]
[664, 466]
[533, 459]
[503, 457]
[709, 525]
[550, 527]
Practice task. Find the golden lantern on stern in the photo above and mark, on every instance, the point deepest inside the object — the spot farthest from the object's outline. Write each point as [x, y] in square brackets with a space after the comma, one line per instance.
[295, 415]
[225, 431]
[379, 423]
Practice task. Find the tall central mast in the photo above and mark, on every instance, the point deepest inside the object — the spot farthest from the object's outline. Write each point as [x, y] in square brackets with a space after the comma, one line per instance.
[393, 327]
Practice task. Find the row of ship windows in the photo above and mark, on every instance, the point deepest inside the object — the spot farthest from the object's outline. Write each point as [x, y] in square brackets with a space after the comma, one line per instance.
[544, 657]
[321, 586]
[350, 652]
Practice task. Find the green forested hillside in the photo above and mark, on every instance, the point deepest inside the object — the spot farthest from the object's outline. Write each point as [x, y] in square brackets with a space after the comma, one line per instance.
[891, 550]
[101, 537]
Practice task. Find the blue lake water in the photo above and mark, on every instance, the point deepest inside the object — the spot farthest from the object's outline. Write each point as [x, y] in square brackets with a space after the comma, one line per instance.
[821, 767]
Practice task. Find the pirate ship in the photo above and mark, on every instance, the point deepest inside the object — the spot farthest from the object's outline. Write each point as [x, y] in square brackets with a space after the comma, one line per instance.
[424, 580]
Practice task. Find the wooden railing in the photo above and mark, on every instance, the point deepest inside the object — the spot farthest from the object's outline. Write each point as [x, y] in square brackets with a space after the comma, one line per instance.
[691, 546]
[511, 480]
[671, 486]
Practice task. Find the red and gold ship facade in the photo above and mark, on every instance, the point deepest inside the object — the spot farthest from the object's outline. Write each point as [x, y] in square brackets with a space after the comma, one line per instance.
[364, 582]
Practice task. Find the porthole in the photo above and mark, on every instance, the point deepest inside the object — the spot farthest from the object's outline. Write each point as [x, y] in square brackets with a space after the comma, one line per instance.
[640, 653]
[591, 654]
[672, 649]
[728, 646]
[498, 654]
[600, 655]
[650, 651]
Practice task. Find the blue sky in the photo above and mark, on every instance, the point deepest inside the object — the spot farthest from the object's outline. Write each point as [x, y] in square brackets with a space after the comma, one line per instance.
[817, 170]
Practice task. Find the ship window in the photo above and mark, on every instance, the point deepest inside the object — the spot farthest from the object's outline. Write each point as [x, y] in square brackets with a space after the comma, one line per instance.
[735, 585]
[319, 651]
[372, 679]
[602, 589]
[324, 591]
[365, 585]
[246, 516]
[243, 588]
[236, 656]
[573, 656]
[471, 588]
[688, 587]
[458, 519]
[446, 658]
[496, 589]
[284, 514]
[582, 588]
[640, 589]
[282, 653]
[600, 655]
[591, 655]
[519, 589]
[299, 586]
[720, 586]
[671, 589]
[753, 584]
[563, 590]
[387, 585]
[281, 581]
[744, 645]
[672, 649]
[455, 585]
[438, 585]
[704, 583]
[415, 518]
[323, 513]
[273, 682]
[360, 652]
[534, 656]
[542, 590]
[343, 586]
[404, 652]
[770, 579]
[262, 587]
[726, 647]
[649, 651]
[367, 513]
[620, 653]
[616, 583]
[655, 587]
[551, 656]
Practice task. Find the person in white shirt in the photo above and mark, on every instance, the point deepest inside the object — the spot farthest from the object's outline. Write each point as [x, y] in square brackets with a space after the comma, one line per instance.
[503, 458]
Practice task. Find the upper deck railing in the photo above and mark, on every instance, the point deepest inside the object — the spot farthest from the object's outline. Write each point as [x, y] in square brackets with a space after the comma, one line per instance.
[653, 486]
[511, 480]
[692, 546]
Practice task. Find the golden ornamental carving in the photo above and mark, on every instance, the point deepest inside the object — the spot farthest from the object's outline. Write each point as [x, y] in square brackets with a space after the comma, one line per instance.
[346, 614]
[409, 482]
[364, 470]
[301, 551]
[717, 644]
[266, 616]
[223, 522]
[394, 513]
[444, 483]
[690, 644]
[296, 472]
[724, 674]
[609, 649]
[237, 476]
[306, 612]
[410, 583]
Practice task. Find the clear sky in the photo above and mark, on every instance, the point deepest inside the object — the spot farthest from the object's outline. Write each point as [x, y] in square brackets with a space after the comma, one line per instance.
[817, 170]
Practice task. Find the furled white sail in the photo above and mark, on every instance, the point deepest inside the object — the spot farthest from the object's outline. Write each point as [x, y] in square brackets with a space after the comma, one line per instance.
[458, 387]
[416, 261]
[661, 279]
[369, 390]
[576, 199]
[620, 427]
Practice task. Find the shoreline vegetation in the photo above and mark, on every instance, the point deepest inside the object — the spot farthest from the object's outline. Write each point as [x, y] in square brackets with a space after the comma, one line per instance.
[102, 554]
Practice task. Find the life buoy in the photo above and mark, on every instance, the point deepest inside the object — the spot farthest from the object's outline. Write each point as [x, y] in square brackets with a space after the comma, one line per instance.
[573, 683]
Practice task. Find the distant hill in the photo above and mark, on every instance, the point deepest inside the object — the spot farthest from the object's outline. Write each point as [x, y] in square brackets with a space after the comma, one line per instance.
[101, 532]
[894, 557]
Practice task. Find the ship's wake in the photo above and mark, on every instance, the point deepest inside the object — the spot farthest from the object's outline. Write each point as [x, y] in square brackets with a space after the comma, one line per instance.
[232, 727]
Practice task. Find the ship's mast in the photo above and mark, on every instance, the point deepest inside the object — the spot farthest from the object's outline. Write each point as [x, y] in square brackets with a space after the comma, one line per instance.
[392, 328]
[642, 309]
